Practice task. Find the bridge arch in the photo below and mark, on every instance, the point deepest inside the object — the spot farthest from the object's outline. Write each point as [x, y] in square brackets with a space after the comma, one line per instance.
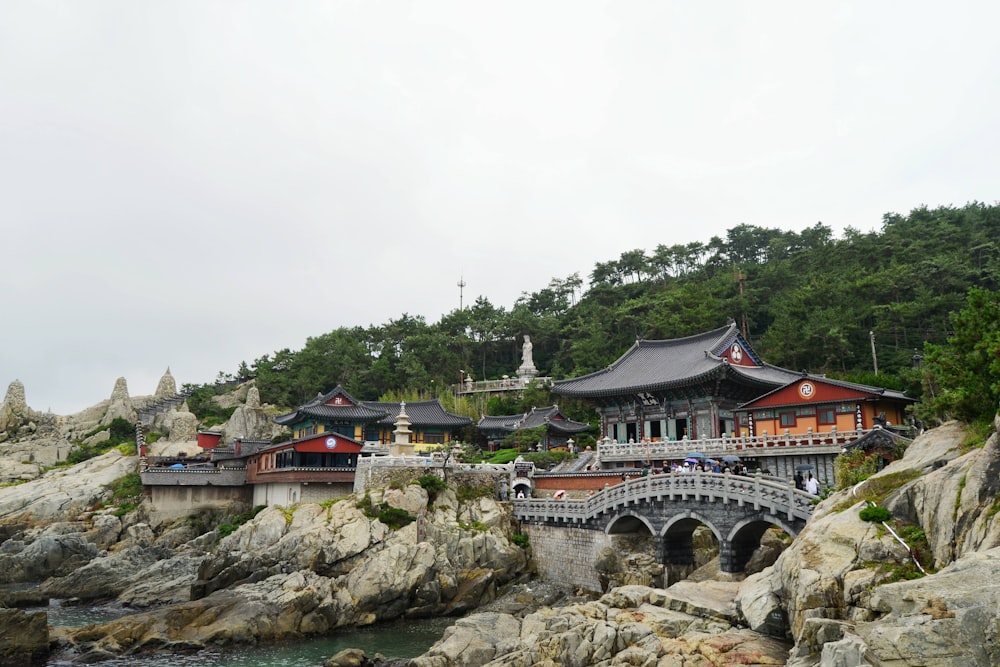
[745, 536]
[677, 537]
[629, 522]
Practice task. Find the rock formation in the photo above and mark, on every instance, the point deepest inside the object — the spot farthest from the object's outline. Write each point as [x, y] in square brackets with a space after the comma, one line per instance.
[302, 571]
[838, 587]
[630, 625]
[180, 424]
[166, 387]
[16, 418]
[249, 420]
[120, 405]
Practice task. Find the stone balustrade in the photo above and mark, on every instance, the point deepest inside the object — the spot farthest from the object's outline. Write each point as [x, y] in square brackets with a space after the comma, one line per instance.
[740, 490]
[742, 445]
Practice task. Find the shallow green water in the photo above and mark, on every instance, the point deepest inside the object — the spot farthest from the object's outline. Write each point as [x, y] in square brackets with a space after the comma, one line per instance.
[398, 640]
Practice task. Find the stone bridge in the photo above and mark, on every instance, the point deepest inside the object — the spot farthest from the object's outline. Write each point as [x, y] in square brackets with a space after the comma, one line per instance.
[566, 534]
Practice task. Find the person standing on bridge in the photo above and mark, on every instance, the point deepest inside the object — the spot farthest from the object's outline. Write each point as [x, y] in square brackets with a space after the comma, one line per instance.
[812, 485]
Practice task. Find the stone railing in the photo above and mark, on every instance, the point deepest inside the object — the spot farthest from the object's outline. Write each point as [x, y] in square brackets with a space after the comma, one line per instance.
[777, 497]
[147, 412]
[748, 445]
[503, 384]
[367, 462]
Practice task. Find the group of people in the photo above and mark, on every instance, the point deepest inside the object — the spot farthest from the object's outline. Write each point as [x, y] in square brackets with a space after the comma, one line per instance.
[709, 465]
[808, 484]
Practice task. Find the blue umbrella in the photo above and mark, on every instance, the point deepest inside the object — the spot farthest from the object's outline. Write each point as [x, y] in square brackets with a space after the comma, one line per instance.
[730, 458]
[692, 460]
[695, 455]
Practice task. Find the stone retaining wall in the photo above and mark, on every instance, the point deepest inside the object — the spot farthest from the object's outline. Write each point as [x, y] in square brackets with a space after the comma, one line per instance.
[173, 502]
[567, 555]
[377, 477]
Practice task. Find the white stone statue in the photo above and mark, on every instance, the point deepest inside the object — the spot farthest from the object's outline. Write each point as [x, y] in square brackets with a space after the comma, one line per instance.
[527, 369]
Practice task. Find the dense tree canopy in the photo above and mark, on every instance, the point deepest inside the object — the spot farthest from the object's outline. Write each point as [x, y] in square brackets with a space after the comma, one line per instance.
[807, 300]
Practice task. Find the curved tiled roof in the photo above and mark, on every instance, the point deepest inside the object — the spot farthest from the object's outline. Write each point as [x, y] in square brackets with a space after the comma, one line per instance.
[537, 417]
[318, 409]
[873, 392]
[499, 422]
[421, 413]
[655, 365]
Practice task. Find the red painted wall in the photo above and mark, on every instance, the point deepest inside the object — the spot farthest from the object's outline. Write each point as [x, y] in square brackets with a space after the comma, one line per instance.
[208, 440]
[328, 442]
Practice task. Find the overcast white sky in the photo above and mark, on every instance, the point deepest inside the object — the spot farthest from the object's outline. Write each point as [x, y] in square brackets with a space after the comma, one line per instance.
[195, 184]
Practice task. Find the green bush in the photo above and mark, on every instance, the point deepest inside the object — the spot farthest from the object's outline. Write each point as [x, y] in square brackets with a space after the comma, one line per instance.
[467, 492]
[875, 514]
[854, 467]
[545, 459]
[502, 456]
[121, 435]
[390, 516]
[520, 539]
[433, 485]
[126, 487]
[394, 517]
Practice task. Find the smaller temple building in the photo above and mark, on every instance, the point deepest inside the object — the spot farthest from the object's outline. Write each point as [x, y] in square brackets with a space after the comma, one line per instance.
[429, 423]
[373, 421]
[559, 429]
[329, 435]
[309, 469]
[812, 403]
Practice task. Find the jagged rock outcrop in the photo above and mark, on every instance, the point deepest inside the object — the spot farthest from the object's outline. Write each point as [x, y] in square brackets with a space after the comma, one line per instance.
[249, 420]
[16, 418]
[630, 625]
[55, 550]
[181, 425]
[120, 405]
[65, 492]
[24, 638]
[314, 568]
[166, 387]
[833, 592]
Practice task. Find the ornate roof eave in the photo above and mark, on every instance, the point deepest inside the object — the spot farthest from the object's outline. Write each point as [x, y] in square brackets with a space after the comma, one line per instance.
[878, 436]
[288, 418]
[571, 427]
[722, 371]
[418, 412]
[873, 393]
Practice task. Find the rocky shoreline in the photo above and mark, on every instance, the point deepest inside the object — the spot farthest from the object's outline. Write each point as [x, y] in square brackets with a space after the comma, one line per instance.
[845, 591]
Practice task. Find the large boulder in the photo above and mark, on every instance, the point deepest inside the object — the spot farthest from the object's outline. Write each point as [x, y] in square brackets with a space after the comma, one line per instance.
[950, 618]
[24, 638]
[64, 493]
[317, 567]
[249, 419]
[16, 418]
[630, 625]
[832, 590]
[120, 405]
[181, 425]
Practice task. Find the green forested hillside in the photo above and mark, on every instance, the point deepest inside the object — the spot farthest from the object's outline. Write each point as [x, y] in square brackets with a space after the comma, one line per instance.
[806, 300]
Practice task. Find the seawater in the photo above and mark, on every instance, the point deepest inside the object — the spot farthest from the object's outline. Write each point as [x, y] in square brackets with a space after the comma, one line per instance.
[395, 640]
